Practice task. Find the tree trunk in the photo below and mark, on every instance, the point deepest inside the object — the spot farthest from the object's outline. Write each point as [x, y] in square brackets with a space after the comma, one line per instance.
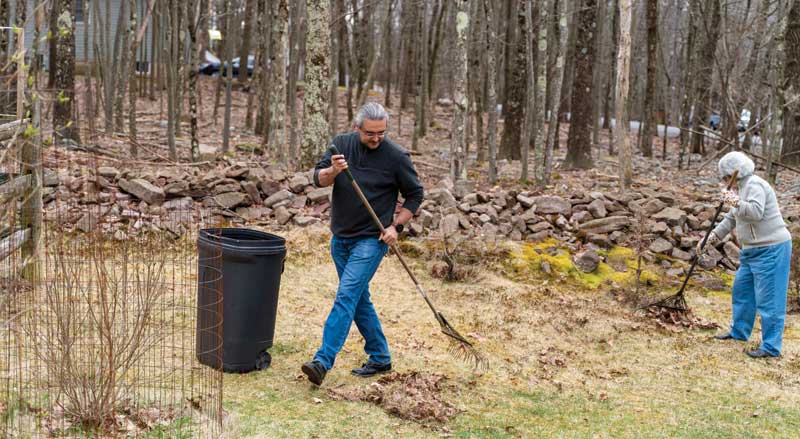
[539, 34]
[791, 87]
[491, 95]
[598, 76]
[132, 86]
[458, 168]
[277, 102]
[373, 67]
[649, 119]
[579, 152]
[194, 22]
[704, 67]
[516, 91]
[421, 76]
[621, 134]
[291, 83]
[126, 58]
[560, 17]
[525, 45]
[226, 127]
[244, 52]
[318, 48]
[64, 126]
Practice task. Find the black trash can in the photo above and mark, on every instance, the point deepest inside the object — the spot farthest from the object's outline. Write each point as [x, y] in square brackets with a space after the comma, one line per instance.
[247, 264]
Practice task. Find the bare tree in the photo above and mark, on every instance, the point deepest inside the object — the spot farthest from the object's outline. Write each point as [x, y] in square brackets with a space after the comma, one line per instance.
[515, 88]
[315, 128]
[491, 95]
[64, 124]
[648, 119]
[277, 102]
[558, 9]
[579, 153]
[709, 19]
[621, 101]
[791, 87]
[458, 168]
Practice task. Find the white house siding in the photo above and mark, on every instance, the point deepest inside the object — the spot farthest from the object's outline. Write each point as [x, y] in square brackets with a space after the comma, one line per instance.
[86, 26]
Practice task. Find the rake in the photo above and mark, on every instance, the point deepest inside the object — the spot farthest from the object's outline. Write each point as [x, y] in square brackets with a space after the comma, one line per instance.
[677, 301]
[460, 347]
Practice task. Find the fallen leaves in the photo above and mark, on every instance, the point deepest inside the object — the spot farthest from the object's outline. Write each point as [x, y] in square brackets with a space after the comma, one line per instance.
[675, 321]
[414, 396]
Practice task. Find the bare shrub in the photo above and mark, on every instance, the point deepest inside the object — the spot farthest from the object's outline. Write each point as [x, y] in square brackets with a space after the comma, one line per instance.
[97, 322]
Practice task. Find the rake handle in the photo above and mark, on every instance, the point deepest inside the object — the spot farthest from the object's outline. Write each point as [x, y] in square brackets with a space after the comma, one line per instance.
[708, 233]
[357, 188]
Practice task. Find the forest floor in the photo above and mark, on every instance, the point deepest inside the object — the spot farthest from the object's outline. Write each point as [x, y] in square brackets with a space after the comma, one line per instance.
[567, 360]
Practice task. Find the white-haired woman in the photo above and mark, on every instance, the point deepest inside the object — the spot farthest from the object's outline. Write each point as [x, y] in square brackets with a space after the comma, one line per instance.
[763, 276]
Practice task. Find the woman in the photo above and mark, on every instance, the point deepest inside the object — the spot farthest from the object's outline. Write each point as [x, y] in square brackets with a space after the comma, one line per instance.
[763, 276]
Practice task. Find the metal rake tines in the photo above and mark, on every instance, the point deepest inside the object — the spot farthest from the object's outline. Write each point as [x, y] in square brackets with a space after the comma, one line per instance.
[675, 301]
[461, 349]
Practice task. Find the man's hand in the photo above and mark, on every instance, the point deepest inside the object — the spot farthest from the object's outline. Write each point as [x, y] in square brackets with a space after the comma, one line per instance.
[389, 236]
[711, 242]
[730, 198]
[338, 164]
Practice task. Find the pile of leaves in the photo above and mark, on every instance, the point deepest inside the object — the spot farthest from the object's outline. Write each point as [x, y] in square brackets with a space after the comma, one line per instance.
[413, 396]
[674, 320]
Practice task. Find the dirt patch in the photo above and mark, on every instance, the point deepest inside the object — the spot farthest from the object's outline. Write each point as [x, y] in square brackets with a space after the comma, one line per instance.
[675, 320]
[413, 396]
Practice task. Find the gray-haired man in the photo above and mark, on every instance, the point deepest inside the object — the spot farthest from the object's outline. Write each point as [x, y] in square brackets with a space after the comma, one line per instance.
[382, 169]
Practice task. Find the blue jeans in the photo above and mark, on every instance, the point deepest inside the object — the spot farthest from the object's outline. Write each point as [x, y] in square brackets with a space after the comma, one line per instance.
[760, 285]
[357, 260]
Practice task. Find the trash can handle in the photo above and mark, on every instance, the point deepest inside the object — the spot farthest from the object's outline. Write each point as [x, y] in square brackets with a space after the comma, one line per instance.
[283, 264]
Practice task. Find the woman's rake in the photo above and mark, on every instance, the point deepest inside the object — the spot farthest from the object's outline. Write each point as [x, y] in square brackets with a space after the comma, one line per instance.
[460, 347]
[677, 301]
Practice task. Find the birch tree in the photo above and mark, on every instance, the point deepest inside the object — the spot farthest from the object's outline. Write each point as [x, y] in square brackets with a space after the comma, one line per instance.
[560, 18]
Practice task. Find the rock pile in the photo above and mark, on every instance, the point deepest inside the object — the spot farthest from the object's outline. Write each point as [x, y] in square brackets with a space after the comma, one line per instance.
[174, 199]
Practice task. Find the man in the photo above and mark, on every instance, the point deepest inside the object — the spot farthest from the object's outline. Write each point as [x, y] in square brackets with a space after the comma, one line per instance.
[382, 169]
[763, 276]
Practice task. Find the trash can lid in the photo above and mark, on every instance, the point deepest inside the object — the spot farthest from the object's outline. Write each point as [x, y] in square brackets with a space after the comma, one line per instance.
[243, 240]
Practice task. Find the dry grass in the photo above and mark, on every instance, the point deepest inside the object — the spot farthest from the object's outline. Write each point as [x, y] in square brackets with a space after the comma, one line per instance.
[566, 361]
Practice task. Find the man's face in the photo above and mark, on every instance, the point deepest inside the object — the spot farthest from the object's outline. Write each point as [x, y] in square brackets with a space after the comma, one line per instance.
[372, 133]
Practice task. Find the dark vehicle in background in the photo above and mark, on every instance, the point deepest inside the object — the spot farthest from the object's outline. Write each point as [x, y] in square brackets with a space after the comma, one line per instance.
[251, 60]
[210, 65]
[213, 66]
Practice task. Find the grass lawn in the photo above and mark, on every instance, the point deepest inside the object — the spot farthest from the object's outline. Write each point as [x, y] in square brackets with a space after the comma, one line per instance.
[566, 362]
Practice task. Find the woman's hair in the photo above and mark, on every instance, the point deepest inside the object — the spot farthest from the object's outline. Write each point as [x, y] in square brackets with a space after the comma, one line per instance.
[736, 161]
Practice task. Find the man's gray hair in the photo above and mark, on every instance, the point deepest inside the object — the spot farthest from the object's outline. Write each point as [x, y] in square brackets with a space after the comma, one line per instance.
[736, 161]
[371, 111]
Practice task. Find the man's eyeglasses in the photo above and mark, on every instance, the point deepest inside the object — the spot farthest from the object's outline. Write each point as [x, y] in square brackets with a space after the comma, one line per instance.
[372, 134]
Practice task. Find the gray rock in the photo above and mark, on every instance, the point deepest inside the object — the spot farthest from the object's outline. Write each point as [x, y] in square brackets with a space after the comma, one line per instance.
[207, 152]
[304, 221]
[526, 202]
[540, 226]
[597, 208]
[587, 261]
[108, 172]
[552, 204]
[601, 240]
[320, 194]
[442, 197]
[671, 215]
[298, 182]
[582, 216]
[425, 218]
[415, 229]
[731, 251]
[277, 197]
[680, 254]
[471, 199]
[660, 227]
[605, 225]
[228, 200]
[88, 222]
[660, 245]
[252, 191]
[184, 203]
[282, 215]
[450, 224]
[143, 190]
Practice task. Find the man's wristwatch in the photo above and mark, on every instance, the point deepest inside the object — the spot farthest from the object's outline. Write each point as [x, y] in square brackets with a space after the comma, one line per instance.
[399, 228]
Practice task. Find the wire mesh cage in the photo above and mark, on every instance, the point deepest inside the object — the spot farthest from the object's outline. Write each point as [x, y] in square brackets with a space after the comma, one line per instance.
[99, 300]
